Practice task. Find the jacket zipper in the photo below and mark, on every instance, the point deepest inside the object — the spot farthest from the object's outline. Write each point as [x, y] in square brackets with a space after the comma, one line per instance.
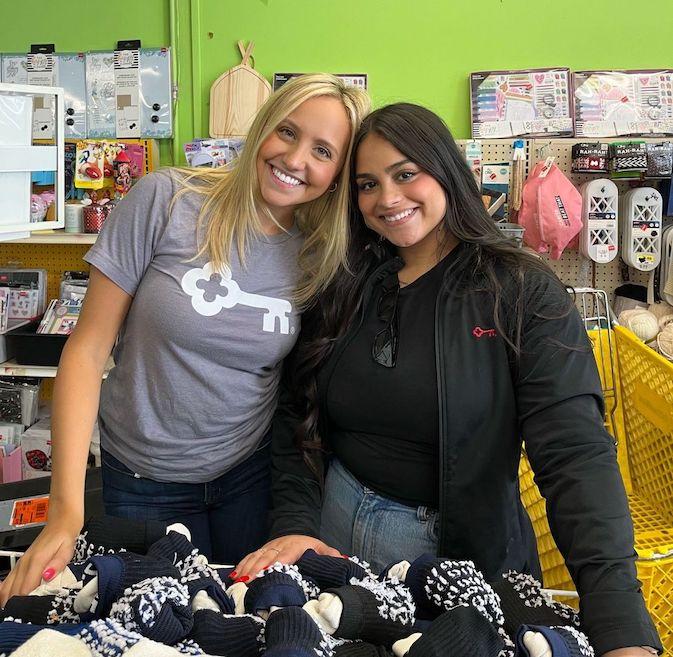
[439, 359]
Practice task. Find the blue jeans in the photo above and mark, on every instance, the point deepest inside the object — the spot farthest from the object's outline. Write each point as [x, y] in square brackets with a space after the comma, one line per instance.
[227, 517]
[357, 521]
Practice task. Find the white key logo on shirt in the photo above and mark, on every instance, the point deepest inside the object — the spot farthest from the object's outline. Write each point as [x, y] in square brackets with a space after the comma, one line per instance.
[224, 292]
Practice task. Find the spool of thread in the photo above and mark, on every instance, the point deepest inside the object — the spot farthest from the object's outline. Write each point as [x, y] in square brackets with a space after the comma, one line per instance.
[74, 218]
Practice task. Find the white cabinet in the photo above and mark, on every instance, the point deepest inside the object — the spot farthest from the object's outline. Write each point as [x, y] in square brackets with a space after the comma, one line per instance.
[19, 157]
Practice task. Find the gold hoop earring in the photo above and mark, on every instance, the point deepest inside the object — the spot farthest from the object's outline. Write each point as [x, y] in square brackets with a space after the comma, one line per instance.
[333, 188]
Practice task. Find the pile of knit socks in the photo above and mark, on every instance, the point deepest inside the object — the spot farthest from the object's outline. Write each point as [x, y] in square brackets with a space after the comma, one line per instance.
[163, 599]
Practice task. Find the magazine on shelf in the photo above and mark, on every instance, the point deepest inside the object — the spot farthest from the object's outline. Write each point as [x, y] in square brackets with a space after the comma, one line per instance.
[60, 317]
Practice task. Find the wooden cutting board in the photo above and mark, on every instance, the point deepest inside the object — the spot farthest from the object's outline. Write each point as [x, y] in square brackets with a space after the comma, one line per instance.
[236, 96]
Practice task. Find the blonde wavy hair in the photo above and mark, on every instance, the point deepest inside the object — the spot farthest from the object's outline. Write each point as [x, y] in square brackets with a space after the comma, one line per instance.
[233, 205]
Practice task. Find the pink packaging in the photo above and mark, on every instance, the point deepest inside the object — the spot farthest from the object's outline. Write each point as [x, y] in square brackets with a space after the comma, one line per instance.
[551, 210]
[10, 467]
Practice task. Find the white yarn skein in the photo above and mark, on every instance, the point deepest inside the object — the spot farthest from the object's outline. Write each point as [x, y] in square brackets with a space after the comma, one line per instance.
[665, 342]
[625, 315]
[641, 322]
[660, 309]
[664, 321]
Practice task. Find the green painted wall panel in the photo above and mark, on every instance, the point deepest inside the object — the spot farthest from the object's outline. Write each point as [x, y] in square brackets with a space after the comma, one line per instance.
[418, 50]
[423, 50]
[76, 25]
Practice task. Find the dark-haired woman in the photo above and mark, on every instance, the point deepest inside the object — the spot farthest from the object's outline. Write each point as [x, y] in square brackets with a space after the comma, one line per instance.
[421, 369]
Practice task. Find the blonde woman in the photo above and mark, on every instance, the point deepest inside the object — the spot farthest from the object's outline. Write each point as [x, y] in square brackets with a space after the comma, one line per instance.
[202, 275]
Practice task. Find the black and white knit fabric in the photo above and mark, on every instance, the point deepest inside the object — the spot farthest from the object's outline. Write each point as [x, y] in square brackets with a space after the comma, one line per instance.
[555, 641]
[328, 572]
[158, 608]
[167, 599]
[523, 602]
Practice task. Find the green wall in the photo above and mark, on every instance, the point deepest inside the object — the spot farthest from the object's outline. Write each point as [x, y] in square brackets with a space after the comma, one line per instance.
[418, 50]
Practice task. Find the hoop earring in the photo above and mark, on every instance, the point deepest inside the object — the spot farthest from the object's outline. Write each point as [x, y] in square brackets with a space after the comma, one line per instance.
[333, 187]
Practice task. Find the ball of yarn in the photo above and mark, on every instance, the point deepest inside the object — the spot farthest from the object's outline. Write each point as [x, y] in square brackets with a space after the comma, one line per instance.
[660, 309]
[641, 322]
[665, 342]
[624, 316]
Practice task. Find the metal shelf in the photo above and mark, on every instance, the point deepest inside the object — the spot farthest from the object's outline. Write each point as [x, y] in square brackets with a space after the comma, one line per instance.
[12, 537]
[12, 368]
[56, 237]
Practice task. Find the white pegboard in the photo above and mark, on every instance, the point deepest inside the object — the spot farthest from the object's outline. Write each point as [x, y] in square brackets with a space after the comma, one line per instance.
[573, 269]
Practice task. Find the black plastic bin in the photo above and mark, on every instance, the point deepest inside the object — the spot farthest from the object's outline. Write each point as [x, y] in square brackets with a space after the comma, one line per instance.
[31, 348]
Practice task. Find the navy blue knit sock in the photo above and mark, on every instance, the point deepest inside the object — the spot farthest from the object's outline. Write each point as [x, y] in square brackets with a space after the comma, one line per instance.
[273, 589]
[523, 603]
[117, 572]
[104, 534]
[108, 637]
[233, 636]
[330, 572]
[291, 632]
[372, 611]
[157, 608]
[13, 634]
[361, 649]
[42, 609]
[462, 631]
[438, 585]
[562, 641]
[174, 547]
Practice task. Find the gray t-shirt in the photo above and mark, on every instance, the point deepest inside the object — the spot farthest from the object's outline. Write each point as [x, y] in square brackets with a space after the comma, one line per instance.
[199, 353]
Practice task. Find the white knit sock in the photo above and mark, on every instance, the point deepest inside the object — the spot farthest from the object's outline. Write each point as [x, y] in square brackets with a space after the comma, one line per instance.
[237, 593]
[402, 647]
[326, 611]
[203, 601]
[63, 580]
[536, 645]
[180, 529]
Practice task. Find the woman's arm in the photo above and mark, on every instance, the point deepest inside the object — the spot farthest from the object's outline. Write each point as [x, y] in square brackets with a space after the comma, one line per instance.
[75, 405]
[560, 408]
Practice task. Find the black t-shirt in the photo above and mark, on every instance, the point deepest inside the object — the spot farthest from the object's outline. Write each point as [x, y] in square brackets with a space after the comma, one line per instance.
[384, 421]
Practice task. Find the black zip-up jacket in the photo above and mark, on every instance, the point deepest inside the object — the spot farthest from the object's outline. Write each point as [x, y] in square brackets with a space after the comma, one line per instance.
[550, 396]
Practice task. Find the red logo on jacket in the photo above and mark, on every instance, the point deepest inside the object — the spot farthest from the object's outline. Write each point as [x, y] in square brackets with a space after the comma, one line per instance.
[479, 332]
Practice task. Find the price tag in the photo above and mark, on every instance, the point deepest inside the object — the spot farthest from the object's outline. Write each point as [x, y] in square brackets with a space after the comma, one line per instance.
[30, 512]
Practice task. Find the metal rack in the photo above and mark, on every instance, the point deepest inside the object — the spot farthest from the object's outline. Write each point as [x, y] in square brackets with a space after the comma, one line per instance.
[573, 269]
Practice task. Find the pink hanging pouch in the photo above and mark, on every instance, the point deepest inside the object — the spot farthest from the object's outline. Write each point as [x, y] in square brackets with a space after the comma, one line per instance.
[551, 210]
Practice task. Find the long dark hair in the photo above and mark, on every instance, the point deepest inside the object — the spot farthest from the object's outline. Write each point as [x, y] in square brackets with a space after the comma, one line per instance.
[422, 137]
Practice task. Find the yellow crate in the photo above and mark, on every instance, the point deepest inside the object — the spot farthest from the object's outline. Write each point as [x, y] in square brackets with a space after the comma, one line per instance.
[639, 405]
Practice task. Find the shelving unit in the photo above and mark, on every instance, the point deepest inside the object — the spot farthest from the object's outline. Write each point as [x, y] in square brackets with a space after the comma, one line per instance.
[57, 237]
[12, 368]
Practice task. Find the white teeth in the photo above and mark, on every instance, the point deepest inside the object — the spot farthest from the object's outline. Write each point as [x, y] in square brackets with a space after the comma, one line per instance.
[284, 177]
[399, 216]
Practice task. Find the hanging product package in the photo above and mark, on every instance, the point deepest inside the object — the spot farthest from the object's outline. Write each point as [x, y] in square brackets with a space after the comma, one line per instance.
[551, 210]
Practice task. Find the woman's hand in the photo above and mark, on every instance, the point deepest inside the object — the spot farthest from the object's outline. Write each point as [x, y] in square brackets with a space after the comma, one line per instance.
[49, 554]
[286, 549]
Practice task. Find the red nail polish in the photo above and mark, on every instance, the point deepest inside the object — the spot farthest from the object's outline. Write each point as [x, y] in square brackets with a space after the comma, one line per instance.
[245, 578]
[345, 556]
[233, 575]
[48, 574]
